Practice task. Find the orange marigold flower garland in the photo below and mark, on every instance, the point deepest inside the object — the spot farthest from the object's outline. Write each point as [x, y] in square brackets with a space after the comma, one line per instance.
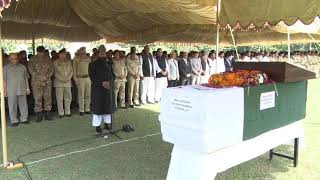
[240, 78]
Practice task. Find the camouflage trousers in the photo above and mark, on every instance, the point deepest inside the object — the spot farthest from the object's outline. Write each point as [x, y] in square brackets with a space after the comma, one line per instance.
[42, 96]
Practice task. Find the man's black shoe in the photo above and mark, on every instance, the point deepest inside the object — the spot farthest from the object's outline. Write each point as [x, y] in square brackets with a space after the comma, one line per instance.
[61, 116]
[46, 116]
[131, 106]
[137, 104]
[88, 112]
[15, 124]
[106, 126]
[98, 129]
[68, 115]
[81, 113]
[39, 117]
[25, 122]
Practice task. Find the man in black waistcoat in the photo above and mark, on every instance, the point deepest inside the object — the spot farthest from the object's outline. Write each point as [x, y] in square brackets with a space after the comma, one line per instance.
[184, 69]
[149, 69]
[228, 61]
[161, 77]
[102, 94]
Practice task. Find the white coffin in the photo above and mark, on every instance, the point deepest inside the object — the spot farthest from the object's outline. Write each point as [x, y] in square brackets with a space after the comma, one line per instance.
[202, 119]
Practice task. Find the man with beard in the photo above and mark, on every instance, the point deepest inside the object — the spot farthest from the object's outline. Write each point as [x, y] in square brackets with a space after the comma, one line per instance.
[102, 94]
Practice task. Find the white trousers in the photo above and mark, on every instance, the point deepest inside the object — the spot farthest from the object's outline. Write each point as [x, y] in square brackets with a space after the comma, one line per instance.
[96, 120]
[195, 80]
[161, 83]
[148, 85]
[205, 79]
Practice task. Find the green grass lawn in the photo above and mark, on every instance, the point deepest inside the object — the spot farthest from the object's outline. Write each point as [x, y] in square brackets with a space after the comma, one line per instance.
[142, 159]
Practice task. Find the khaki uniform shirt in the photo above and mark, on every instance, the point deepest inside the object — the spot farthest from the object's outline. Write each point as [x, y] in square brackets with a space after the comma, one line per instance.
[133, 66]
[15, 76]
[41, 69]
[80, 67]
[120, 69]
[63, 73]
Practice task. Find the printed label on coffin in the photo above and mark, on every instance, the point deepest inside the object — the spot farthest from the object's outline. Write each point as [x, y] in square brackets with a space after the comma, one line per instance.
[267, 100]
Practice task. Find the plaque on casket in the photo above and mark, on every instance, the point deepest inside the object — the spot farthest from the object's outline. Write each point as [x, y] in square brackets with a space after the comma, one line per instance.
[278, 71]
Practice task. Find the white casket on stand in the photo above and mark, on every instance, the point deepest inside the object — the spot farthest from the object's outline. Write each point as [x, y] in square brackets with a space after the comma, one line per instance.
[206, 126]
[195, 119]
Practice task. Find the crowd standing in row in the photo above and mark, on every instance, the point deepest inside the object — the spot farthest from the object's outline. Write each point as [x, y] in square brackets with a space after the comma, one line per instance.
[138, 78]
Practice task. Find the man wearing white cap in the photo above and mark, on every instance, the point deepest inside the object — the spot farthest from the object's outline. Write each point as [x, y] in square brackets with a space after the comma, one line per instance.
[102, 94]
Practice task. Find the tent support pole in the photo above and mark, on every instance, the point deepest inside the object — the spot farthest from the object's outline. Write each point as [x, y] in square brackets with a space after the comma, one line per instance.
[317, 43]
[234, 42]
[310, 47]
[3, 110]
[217, 35]
[289, 45]
[33, 33]
[33, 45]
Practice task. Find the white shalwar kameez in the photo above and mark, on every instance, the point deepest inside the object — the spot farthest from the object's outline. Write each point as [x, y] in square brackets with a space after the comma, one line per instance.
[148, 83]
[96, 120]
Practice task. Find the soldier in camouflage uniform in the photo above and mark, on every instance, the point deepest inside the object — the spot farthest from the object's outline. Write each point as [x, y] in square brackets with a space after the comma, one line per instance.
[41, 70]
[120, 71]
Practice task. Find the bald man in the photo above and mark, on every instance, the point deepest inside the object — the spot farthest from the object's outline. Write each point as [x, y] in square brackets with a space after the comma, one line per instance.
[16, 88]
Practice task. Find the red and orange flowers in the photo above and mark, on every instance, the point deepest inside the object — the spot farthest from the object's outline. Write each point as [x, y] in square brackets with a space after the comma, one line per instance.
[240, 78]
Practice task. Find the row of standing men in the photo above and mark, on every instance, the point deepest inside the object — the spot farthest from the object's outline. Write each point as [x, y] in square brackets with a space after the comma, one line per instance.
[151, 71]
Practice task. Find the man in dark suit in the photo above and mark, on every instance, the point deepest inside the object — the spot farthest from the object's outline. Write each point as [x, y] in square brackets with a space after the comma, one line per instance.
[184, 69]
[228, 61]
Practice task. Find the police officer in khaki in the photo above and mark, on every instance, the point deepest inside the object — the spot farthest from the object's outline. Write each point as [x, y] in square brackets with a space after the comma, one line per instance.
[41, 70]
[120, 72]
[81, 78]
[62, 82]
[134, 71]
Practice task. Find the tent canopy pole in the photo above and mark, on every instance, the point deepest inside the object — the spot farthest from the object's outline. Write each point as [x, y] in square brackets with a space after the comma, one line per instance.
[3, 110]
[217, 35]
[289, 45]
[234, 42]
